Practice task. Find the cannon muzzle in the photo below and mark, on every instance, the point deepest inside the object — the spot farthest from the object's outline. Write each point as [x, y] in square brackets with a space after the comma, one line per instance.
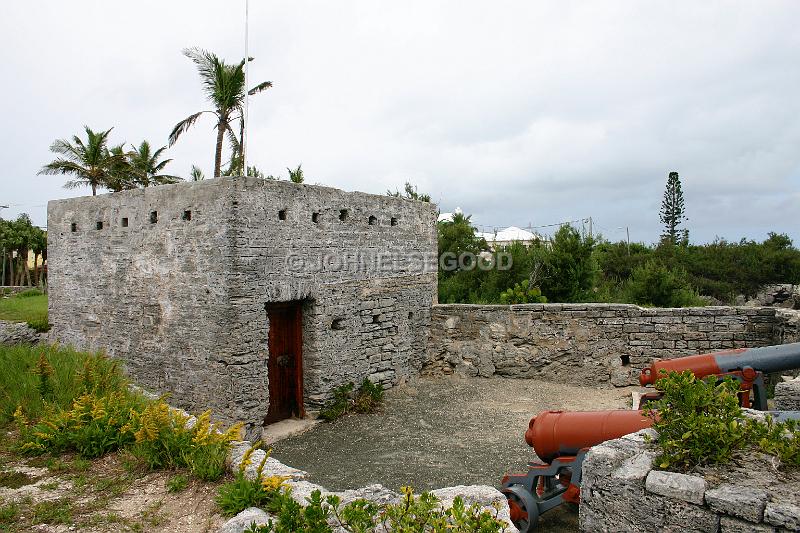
[555, 434]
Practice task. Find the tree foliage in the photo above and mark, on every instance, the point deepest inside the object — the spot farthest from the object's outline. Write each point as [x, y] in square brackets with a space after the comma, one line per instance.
[224, 86]
[18, 238]
[410, 192]
[96, 164]
[672, 210]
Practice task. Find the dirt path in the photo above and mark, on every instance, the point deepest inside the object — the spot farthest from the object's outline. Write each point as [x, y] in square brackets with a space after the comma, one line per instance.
[435, 433]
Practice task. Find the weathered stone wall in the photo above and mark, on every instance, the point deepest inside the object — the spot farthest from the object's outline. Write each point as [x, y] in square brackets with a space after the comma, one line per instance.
[620, 491]
[587, 343]
[174, 280]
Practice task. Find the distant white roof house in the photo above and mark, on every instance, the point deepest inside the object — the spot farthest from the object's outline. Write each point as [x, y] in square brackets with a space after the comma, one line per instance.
[448, 217]
[506, 236]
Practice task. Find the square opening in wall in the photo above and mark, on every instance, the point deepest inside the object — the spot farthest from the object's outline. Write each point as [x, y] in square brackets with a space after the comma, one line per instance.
[99, 224]
[394, 221]
[373, 220]
[315, 218]
[153, 217]
[376, 319]
[626, 360]
[411, 315]
[73, 227]
[343, 214]
[282, 214]
[125, 222]
[187, 215]
[337, 324]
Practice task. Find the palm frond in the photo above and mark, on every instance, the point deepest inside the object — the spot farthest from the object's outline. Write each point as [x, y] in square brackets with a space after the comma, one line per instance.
[263, 86]
[183, 125]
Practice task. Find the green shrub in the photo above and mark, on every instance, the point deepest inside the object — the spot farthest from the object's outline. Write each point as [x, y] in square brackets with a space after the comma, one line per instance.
[412, 514]
[163, 439]
[94, 426]
[521, 294]
[656, 285]
[243, 492]
[700, 422]
[366, 399]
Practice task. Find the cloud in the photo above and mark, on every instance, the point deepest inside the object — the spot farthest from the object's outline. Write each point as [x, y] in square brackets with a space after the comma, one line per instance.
[518, 113]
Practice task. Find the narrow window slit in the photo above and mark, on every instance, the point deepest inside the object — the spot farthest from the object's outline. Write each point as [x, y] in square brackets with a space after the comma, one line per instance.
[282, 214]
[153, 217]
[125, 222]
[315, 218]
[343, 214]
[99, 224]
[187, 215]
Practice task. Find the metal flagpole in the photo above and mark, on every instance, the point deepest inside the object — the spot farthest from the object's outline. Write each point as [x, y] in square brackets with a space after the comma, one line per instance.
[246, 84]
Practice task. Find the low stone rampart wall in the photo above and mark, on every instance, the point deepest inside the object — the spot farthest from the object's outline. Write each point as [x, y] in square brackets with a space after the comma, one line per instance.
[590, 343]
[621, 492]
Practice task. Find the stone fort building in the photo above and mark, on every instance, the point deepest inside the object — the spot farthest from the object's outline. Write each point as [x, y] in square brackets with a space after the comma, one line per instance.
[251, 297]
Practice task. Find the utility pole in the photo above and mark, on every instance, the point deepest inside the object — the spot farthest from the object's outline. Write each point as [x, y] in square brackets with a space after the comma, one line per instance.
[246, 84]
[4, 253]
[628, 238]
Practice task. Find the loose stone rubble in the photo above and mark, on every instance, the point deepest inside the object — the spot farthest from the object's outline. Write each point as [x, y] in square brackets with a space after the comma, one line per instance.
[18, 333]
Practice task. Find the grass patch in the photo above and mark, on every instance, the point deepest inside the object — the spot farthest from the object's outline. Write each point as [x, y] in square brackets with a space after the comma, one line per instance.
[34, 377]
[177, 483]
[29, 306]
[15, 480]
[8, 513]
[52, 512]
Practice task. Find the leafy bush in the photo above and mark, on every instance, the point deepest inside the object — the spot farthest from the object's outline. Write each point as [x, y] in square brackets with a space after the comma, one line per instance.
[656, 285]
[700, 422]
[81, 403]
[521, 294]
[94, 426]
[366, 399]
[244, 492]
[164, 439]
[412, 514]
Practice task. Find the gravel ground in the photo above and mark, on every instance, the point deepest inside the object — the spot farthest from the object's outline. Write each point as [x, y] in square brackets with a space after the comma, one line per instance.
[434, 433]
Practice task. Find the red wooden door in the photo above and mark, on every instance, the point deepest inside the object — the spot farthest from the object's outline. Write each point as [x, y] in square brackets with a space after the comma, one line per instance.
[285, 365]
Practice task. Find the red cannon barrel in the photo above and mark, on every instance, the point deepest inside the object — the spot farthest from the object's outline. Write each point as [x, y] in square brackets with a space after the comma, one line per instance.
[701, 366]
[554, 434]
[765, 359]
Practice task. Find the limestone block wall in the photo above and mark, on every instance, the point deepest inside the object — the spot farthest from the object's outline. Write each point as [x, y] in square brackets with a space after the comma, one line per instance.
[364, 266]
[174, 281]
[587, 343]
[620, 491]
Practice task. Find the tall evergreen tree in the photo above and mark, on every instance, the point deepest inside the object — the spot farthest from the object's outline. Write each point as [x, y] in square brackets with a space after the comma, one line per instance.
[672, 210]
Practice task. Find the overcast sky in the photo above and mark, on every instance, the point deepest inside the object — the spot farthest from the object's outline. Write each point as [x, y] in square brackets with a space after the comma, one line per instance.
[518, 112]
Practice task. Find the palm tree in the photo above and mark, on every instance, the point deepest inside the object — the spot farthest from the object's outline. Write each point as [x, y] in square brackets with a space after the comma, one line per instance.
[120, 174]
[90, 162]
[224, 86]
[146, 168]
[196, 173]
